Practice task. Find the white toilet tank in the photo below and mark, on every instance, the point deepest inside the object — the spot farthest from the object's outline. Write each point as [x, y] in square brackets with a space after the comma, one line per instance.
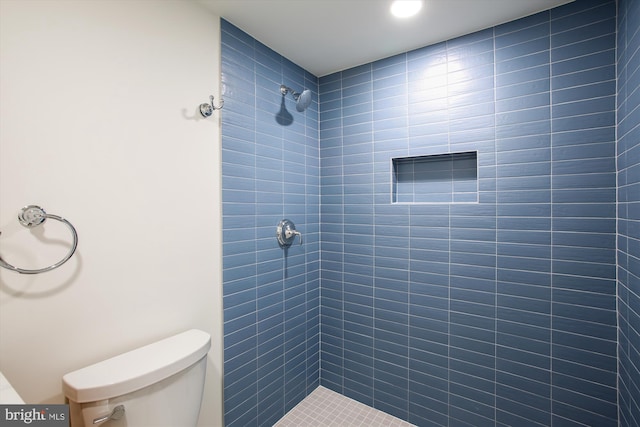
[158, 385]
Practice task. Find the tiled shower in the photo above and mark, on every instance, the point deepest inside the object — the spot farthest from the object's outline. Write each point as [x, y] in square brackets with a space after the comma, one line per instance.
[471, 252]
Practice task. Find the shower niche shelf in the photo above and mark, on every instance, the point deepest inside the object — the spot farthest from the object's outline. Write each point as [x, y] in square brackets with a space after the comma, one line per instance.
[438, 178]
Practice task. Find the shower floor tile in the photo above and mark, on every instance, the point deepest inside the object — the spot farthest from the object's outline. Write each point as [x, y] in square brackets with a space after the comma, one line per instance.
[326, 408]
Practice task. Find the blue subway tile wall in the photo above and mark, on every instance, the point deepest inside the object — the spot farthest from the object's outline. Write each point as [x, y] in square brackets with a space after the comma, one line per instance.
[582, 197]
[270, 171]
[501, 312]
[628, 156]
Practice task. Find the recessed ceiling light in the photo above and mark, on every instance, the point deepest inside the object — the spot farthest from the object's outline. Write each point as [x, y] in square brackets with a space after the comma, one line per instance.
[405, 8]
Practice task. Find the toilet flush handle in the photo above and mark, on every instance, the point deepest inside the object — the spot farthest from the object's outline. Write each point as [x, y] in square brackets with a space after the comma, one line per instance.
[116, 414]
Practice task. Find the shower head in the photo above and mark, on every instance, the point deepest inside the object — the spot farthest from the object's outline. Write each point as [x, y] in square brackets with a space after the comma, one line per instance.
[303, 100]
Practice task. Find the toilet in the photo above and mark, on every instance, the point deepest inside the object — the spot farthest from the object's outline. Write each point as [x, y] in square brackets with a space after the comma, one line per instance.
[158, 385]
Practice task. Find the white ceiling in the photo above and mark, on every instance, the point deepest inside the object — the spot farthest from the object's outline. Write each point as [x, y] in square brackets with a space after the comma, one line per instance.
[325, 36]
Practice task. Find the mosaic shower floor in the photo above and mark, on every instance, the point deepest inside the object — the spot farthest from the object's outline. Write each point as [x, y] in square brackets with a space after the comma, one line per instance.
[326, 408]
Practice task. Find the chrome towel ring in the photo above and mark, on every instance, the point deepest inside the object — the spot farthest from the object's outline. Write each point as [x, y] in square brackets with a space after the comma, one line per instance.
[32, 216]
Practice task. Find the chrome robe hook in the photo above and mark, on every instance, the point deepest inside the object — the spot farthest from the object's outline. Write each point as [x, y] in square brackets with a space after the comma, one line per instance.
[207, 109]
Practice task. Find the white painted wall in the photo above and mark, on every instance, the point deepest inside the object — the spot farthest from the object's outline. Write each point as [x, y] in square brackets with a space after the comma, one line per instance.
[99, 124]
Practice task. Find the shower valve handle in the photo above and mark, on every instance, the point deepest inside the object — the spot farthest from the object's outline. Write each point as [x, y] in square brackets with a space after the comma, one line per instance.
[291, 234]
[286, 233]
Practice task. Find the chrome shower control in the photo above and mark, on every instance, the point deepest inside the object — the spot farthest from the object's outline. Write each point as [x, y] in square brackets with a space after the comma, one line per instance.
[286, 233]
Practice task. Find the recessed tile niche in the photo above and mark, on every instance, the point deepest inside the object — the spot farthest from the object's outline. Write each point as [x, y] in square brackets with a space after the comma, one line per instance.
[439, 178]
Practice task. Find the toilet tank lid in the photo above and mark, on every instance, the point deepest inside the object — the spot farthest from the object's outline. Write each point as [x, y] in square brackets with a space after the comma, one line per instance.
[136, 369]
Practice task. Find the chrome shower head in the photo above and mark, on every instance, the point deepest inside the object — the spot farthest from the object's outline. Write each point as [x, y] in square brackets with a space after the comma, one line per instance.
[303, 100]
